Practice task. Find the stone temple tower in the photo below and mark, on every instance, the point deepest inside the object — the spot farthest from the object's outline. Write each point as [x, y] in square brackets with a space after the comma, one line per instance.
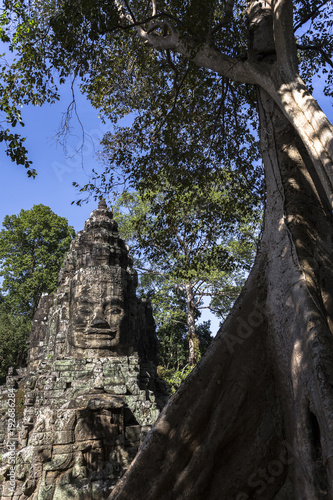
[90, 391]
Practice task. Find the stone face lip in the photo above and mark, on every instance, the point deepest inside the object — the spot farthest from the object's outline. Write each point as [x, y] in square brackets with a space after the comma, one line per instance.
[90, 392]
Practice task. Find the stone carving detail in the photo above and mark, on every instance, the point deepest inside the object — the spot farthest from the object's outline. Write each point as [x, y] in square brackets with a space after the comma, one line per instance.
[90, 392]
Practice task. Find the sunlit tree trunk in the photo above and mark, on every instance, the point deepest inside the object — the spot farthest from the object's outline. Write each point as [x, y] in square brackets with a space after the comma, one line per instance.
[299, 302]
[193, 340]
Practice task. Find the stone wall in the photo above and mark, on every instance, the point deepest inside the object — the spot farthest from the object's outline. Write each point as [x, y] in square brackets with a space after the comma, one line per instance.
[82, 425]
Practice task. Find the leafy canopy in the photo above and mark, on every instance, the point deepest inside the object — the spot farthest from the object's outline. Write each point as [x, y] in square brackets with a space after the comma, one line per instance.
[14, 331]
[189, 235]
[33, 245]
[186, 118]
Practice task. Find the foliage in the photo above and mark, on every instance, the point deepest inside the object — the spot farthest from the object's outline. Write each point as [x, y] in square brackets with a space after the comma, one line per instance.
[179, 236]
[170, 314]
[169, 310]
[187, 118]
[174, 364]
[174, 66]
[184, 252]
[120, 76]
[174, 378]
[32, 248]
[14, 331]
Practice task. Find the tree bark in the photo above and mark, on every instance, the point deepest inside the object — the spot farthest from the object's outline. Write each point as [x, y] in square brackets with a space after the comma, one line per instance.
[299, 302]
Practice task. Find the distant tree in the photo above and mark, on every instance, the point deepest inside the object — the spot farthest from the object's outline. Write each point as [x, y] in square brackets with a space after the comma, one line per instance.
[32, 248]
[170, 313]
[183, 248]
[33, 245]
[14, 331]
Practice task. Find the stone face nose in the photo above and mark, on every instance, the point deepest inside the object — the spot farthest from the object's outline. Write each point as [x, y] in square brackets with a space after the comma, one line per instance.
[100, 323]
[99, 320]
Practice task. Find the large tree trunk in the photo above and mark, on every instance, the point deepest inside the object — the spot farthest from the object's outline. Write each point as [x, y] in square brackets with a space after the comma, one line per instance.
[254, 419]
[299, 302]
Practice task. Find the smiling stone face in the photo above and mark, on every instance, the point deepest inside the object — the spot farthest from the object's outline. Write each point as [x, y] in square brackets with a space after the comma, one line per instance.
[97, 312]
[84, 418]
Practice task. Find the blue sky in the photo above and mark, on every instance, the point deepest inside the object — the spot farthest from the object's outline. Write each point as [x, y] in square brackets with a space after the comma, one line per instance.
[56, 168]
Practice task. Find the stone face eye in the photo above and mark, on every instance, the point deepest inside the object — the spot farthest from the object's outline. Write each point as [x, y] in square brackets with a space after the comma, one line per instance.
[115, 310]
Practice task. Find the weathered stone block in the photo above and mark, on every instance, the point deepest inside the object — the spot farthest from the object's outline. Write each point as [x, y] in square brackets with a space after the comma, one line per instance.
[132, 386]
[54, 394]
[118, 379]
[42, 454]
[59, 463]
[63, 449]
[64, 437]
[62, 364]
[119, 389]
[40, 438]
[83, 374]
[133, 433]
[50, 477]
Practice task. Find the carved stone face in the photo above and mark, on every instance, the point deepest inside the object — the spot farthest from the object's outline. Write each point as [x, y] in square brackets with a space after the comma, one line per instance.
[96, 314]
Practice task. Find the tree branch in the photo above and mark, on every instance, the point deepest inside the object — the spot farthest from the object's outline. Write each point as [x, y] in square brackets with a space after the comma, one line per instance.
[222, 294]
[285, 44]
[130, 11]
[150, 271]
[181, 242]
[197, 302]
[311, 15]
[178, 88]
[319, 49]
[219, 111]
[154, 8]
[175, 70]
[197, 285]
[203, 55]
[201, 247]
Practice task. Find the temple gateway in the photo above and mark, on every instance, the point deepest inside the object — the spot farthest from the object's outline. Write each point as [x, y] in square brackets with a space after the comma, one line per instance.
[90, 392]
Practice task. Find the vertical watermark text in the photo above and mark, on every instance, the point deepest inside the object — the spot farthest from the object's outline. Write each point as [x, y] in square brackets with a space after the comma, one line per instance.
[12, 437]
